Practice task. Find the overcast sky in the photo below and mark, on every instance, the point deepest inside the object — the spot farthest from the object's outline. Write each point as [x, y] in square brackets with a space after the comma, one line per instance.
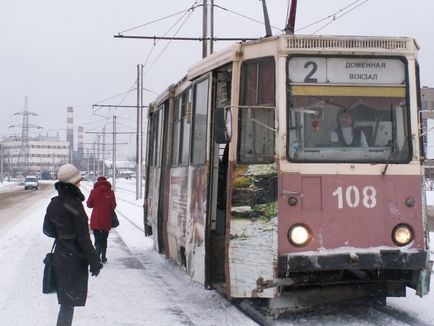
[63, 53]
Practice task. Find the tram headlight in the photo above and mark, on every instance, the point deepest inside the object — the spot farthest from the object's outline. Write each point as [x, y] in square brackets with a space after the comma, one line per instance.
[402, 234]
[299, 235]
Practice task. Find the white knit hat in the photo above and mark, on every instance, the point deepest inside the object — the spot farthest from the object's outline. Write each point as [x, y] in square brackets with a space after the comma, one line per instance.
[68, 173]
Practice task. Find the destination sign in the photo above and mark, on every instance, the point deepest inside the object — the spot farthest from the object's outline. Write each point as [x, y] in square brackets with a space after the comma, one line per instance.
[346, 70]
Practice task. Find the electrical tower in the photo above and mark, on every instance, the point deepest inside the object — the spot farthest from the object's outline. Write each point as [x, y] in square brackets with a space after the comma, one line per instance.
[23, 158]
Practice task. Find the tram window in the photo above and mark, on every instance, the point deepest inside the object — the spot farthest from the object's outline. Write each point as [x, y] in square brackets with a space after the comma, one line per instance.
[176, 131]
[378, 133]
[258, 82]
[200, 122]
[154, 139]
[185, 127]
[256, 141]
[256, 144]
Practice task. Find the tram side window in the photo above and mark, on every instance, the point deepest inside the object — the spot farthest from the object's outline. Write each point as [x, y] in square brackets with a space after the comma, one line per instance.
[157, 130]
[200, 118]
[185, 127]
[154, 144]
[256, 113]
[181, 130]
[176, 131]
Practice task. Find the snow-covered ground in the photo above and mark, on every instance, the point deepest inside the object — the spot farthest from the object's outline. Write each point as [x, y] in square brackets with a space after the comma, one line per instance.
[137, 286]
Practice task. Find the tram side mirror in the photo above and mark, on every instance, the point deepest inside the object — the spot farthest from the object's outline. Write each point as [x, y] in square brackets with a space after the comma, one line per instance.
[223, 125]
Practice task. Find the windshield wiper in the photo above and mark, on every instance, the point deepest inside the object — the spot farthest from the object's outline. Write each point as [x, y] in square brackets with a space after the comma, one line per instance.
[393, 149]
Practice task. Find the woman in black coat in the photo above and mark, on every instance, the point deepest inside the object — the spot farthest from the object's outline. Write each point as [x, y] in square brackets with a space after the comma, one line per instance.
[67, 222]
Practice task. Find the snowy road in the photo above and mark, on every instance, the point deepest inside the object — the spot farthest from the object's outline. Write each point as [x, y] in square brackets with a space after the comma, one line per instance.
[140, 287]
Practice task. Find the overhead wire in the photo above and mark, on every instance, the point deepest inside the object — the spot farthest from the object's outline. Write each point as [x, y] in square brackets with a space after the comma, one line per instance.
[337, 17]
[186, 17]
[244, 16]
[333, 16]
[159, 19]
[134, 86]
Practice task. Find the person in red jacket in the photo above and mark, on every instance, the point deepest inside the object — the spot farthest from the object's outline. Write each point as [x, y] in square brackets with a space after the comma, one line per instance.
[102, 200]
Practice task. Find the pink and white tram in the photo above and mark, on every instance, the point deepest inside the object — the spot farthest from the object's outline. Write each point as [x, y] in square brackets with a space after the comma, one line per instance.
[248, 191]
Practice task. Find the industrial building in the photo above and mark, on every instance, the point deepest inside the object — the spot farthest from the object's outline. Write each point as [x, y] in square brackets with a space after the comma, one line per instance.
[44, 154]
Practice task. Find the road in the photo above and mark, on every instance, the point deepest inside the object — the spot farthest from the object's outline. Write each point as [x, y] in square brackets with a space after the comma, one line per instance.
[15, 202]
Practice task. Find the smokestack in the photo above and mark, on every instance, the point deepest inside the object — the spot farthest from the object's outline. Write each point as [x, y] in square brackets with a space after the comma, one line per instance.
[70, 127]
[80, 144]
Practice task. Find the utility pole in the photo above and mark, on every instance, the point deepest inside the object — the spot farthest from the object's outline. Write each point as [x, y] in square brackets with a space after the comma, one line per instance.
[93, 161]
[139, 142]
[1, 163]
[23, 158]
[211, 14]
[88, 164]
[103, 151]
[139, 130]
[205, 29]
[98, 154]
[114, 155]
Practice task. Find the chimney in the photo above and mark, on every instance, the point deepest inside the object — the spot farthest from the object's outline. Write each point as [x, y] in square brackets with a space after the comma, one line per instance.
[80, 144]
[70, 127]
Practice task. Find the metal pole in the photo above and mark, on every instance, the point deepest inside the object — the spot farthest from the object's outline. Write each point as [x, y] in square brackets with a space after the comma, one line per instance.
[114, 155]
[88, 165]
[1, 163]
[141, 133]
[205, 29]
[211, 44]
[93, 162]
[52, 168]
[9, 165]
[98, 156]
[138, 169]
[103, 151]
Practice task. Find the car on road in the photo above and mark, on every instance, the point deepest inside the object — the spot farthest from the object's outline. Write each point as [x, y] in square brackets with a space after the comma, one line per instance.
[31, 182]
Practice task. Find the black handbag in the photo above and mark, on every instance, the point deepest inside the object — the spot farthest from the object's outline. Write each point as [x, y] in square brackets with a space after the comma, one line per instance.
[115, 221]
[49, 283]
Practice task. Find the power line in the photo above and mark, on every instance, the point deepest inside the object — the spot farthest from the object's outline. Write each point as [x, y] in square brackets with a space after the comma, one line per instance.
[191, 8]
[333, 16]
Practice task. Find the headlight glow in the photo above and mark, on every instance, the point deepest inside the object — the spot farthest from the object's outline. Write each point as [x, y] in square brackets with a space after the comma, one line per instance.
[299, 235]
[402, 234]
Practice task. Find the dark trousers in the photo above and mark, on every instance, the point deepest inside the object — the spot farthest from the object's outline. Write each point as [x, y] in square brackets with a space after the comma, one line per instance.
[101, 243]
[64, 318]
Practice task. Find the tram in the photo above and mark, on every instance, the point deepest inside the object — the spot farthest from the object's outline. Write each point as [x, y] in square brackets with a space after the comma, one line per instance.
[254, 190]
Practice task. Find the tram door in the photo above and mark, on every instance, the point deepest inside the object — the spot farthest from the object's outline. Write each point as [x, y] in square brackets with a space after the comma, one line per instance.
[215, 257]
[155, 177]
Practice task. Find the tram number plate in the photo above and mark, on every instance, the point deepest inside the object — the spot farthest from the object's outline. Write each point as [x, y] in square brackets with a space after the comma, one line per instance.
[352, 197]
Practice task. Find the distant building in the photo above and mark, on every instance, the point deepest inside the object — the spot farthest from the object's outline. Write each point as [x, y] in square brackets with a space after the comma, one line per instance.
[427, 94]
[45, 154]
[124, 169]
[427, 99]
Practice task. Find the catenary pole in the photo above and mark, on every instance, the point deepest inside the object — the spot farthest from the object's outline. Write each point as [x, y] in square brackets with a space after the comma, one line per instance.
[205, 29]
[139, 133]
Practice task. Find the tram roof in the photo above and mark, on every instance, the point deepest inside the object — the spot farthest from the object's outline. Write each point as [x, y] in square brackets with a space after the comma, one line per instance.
[362, 45]
[301, 43]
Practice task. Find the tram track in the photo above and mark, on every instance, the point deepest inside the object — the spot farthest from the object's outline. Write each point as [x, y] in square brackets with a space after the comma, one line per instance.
[360, 313]
[128, 201]
[131, 221]
[402, 316]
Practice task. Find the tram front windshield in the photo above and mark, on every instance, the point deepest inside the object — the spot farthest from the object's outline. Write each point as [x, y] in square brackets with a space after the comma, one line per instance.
[348, 123]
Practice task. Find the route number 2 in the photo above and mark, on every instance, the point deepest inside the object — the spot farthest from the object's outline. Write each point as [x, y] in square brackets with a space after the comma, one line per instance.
[352, 196]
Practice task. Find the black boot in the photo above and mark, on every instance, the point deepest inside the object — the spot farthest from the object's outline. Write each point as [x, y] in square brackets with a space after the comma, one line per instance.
[103, 252]
[98, 251]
